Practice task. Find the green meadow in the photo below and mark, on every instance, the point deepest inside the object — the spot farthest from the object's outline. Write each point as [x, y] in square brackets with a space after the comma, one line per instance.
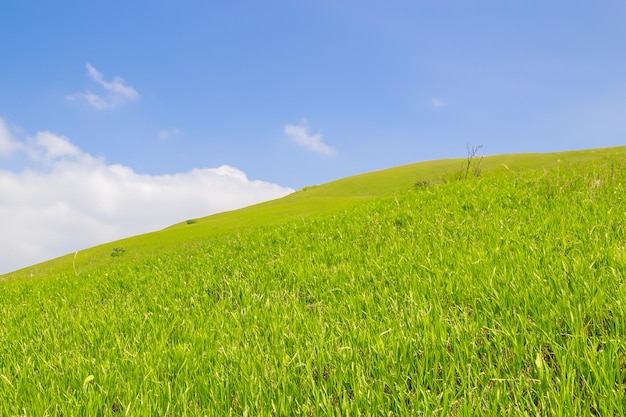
[427, 289]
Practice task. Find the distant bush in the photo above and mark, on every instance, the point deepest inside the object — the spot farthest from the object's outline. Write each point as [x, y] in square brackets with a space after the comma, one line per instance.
[423, 183]
[118, 251]
[192, 221]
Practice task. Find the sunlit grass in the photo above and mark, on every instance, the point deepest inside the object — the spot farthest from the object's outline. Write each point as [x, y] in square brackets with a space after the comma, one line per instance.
[499, 295]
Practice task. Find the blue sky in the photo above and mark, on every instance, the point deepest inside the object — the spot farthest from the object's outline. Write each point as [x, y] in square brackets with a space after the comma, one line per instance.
[276, 95]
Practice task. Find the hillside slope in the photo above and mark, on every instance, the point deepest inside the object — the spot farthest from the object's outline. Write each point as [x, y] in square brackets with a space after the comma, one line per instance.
[374, 295]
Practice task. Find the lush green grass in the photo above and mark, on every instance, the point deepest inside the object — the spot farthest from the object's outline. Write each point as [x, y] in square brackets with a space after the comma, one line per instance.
[498, 295]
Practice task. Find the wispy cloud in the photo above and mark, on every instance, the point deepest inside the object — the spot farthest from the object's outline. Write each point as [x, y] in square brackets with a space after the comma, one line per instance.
[168, 133]
[115, 93]
[62, 199]
[300, 135]
[438, 102]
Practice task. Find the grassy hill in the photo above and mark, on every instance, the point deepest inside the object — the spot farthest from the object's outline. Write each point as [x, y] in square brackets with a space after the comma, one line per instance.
[313, 201]
[412, 290]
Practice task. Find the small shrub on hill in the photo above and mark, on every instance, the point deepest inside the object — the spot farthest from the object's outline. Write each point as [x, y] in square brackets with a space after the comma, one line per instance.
[117, 251]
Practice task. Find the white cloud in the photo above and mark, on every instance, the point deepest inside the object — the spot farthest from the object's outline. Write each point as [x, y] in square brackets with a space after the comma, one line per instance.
[168, 133]
[116, 92]
[8, 145]
[438, 102]
[67, 200]
[300, 135]
[48, 147]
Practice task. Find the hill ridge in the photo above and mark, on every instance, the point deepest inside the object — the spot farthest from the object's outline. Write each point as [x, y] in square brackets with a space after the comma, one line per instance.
[317, 200]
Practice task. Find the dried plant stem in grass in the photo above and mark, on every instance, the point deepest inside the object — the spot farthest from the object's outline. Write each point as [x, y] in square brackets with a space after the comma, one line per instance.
[472, 163]
[74, 263]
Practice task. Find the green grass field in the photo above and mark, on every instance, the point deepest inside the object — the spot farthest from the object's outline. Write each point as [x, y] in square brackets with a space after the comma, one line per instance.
[406, 291]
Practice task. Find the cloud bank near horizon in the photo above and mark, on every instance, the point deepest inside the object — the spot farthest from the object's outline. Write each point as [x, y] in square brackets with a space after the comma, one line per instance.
[62, 199]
